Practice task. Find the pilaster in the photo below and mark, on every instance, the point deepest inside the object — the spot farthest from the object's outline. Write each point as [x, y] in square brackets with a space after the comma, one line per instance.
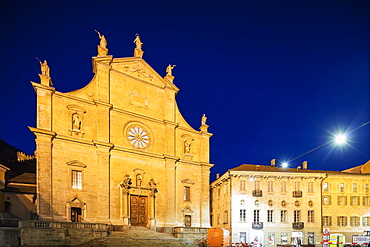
[103, 120]
[204, 146]
[44, 105]
[171, 192]
[101, 68]
[205, 199]
[103, 178]
[44, 175]
[170, 143]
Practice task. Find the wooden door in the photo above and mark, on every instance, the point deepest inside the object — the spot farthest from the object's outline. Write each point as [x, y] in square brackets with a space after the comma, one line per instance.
[139, 210]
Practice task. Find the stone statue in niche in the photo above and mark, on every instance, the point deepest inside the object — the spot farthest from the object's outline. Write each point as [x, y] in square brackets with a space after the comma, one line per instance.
[126, 182]
[103, 41]
[169, 69]
[138, 42]
[187, 146]
[139, 180]
[76, 122]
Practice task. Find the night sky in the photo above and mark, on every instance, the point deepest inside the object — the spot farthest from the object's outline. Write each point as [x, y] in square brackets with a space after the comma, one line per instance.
[275, 78]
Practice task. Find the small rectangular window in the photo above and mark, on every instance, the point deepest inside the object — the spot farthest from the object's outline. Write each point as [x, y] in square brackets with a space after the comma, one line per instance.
[283, 216]
[354, 187]
[76, 179]
[341, 187]
[310, 186]
[326, 187]
[327, 200]
[242, 185]
[186, 193]
[355, 221]
[310, 216]
[242, 215]
[283, 186]
[270, 215]
[256, 216]
[365, 201]
[366, 188]
[226, 217]
[342, 200]
[270, 186]
[327, 221]
[297, 215]
[342, 220]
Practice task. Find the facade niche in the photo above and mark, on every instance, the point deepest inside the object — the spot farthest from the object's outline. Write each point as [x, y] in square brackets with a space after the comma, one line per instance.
[76, 117]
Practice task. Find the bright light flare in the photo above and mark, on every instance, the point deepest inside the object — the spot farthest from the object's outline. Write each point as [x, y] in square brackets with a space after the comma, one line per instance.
[284, 164]
[340, 139]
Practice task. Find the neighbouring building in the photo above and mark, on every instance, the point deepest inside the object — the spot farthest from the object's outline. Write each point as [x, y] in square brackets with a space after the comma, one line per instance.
[118, 151]
[269, 205]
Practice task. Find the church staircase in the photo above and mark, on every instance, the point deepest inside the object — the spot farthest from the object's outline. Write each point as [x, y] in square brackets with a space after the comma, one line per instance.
[140, 236]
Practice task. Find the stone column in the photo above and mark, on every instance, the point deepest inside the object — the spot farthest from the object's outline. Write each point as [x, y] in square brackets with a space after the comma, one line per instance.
[103, 121]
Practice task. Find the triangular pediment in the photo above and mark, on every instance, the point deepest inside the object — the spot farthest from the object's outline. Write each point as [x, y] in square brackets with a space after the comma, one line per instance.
[77, 201]
[76, 163]
[141, 70]
[187, 209]
[187, 181]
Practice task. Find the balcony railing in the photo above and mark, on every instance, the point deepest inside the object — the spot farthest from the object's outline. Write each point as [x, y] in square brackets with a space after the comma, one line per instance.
[257, 193]
[297, 193]
[257, 225]
[298, 225]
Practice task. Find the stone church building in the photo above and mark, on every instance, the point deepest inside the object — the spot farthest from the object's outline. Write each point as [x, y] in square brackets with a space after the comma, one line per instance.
[118, 151]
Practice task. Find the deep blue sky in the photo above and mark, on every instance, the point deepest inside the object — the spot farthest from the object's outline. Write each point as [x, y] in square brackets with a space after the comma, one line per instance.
[275, 78]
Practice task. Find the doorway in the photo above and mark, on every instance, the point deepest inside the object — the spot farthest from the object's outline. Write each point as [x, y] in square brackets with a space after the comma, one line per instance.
[139, 210]
[76, 214]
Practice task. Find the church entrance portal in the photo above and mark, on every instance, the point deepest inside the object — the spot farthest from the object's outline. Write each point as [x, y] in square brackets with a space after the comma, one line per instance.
[139, 210]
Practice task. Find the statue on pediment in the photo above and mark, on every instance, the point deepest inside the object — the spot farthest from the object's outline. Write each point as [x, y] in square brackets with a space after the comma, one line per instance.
[204, 119]
[103, 41]
[138, 42]
[169, 69]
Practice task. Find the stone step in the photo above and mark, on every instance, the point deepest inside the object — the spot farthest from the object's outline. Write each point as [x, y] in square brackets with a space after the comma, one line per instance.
[140, 236]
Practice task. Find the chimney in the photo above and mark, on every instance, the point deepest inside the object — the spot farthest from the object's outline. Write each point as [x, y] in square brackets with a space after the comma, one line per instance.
[217, 175]
[273, 162]
[304, 164]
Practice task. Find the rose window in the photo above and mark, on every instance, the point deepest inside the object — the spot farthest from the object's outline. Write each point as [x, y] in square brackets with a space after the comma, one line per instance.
[138, 137]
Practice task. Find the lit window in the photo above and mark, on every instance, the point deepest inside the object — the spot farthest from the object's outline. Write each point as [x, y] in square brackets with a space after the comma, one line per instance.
[366, 221]
[327, 200]
[326, 187]
[186, 193]
[76, 179]
[366, 188]
[366, 201]
[341, 187]
[354, 201]
[354, 187]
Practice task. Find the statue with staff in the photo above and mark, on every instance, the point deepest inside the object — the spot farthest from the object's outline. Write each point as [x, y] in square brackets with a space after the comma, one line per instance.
[45, 70]
[169, 69]
[103, 41]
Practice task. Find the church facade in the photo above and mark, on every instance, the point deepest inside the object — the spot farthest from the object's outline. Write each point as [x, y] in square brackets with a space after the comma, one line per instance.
[118, 151]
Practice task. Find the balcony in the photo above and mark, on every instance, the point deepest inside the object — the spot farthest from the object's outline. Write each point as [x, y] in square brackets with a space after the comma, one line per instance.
[257, 225]
[257, 193]
[298, 225]
[297, 193]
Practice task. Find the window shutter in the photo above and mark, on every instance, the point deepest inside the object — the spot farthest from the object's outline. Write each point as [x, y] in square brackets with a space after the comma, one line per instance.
[329, 220]
[351, 200]
[329, 200]
[345, 221]
[338, 220]
[345, 200]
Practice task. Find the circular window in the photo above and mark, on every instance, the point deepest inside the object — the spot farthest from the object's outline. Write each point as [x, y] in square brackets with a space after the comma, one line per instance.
[257, 203]
[138, 136]
[283, 204]
[310, 204]
[270, 203]
[296, 203]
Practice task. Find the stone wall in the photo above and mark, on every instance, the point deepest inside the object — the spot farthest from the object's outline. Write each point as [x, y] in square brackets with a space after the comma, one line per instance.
[197, 235]
[37, 233]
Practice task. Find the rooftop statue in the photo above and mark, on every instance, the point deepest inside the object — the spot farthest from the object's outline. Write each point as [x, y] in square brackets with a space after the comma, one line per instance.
[169, 69]
[103, 41]
[45, 70]
[204, 119]
[138, 42]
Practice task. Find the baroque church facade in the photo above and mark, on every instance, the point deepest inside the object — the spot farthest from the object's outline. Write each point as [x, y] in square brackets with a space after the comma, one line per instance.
[118, 151]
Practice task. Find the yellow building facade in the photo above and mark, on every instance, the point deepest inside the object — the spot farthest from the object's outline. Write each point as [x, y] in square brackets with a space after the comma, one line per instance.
[118, 151]
[268, 205]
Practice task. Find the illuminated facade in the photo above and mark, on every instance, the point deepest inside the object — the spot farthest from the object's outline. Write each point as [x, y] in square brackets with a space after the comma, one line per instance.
[118, 151]
[270, 205]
